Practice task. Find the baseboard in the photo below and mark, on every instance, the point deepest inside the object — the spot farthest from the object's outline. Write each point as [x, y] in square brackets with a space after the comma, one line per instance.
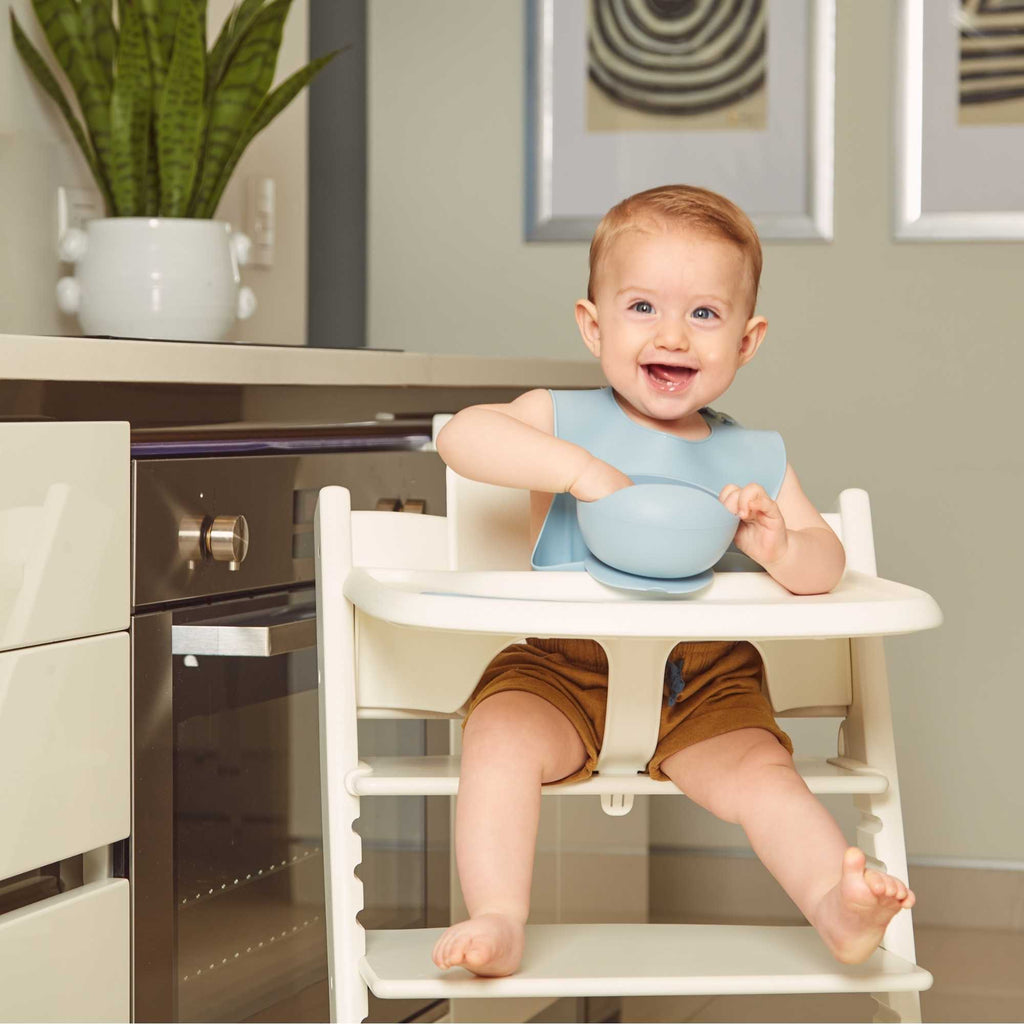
[732, 885]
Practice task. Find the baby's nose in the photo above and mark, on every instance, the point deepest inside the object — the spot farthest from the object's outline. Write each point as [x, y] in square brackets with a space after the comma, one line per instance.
[673, 335]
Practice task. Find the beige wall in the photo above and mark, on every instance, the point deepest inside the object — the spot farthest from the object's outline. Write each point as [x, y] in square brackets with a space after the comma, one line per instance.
[38, 154]
[891, 367]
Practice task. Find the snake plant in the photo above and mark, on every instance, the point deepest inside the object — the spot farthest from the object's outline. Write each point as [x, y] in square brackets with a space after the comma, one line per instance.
[161, 121]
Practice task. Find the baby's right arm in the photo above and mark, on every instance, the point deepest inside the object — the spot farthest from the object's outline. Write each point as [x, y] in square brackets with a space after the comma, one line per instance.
[514, 445]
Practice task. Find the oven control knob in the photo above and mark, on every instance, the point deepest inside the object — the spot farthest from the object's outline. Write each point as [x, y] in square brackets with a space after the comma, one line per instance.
[227, 540]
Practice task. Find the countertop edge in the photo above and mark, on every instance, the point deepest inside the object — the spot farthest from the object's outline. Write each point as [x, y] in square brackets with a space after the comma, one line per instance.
[121, 360]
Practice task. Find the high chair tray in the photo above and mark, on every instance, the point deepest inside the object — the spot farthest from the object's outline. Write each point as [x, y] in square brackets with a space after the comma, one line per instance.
[748, 605]
[638, 959]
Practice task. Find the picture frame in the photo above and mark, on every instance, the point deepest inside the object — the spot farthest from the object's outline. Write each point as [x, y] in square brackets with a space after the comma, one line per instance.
[779, 170]
[957, 171]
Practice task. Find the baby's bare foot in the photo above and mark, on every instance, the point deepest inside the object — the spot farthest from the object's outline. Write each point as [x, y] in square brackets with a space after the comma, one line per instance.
[490, 945]
[853, 915]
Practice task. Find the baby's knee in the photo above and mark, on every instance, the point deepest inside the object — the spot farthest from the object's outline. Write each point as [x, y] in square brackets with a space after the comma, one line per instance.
[762, 755]
[502, 712]
[737, 765]
[515, 725]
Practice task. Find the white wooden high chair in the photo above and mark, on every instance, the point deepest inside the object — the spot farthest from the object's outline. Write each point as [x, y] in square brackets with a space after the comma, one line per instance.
[410, 610]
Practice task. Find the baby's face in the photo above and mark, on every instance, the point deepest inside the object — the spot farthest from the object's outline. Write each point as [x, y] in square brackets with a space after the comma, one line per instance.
[671, 322]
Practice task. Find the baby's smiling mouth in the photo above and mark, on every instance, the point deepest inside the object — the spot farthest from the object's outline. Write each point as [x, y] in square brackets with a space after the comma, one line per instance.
[666, 377]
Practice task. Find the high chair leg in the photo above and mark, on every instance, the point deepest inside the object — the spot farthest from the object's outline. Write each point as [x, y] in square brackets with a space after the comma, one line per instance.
[339, 759]
[867, 736]
[897, 1006]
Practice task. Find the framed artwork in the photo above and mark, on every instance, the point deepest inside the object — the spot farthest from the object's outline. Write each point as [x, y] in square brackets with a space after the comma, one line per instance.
[960, 120]
[735, 96]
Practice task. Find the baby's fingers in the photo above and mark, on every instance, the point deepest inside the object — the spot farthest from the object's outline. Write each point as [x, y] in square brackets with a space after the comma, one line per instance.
[754, 500]
[729, 496]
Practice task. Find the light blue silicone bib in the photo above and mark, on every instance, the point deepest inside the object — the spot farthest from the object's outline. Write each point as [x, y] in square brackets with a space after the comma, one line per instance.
[595, 421]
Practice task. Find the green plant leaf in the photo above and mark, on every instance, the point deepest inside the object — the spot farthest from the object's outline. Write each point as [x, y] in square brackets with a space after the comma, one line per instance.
[180, 117]
[62, 23]
[169, 17]
[45, 77]
[130, 114]
[231, 32]
[152, 199]
[271, 106]
[201, 11]
[244, 84]
[158, 60]
[99, 34]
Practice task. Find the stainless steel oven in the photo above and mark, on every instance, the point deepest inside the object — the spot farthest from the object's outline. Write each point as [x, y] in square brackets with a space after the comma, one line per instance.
[225, 855]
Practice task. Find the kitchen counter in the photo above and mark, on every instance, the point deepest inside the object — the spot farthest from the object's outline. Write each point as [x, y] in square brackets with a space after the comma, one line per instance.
[117, 360]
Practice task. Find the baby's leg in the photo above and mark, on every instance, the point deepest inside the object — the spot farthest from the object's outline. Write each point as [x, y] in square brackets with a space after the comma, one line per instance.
[747, 777]
[512, 743]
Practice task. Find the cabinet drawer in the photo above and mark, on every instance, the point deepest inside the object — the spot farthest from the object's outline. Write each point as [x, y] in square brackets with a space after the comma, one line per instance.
[65, 750]
[67, 958]
[64, 531]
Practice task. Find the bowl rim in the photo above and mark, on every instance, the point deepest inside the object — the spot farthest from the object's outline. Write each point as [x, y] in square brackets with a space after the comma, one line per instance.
[610, 513]
[656, 481]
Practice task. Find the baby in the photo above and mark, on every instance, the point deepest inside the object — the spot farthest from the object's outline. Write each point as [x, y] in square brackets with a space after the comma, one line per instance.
[669, 313]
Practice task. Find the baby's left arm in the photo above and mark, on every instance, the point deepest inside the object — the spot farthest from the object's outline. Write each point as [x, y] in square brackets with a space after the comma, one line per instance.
[786, 536]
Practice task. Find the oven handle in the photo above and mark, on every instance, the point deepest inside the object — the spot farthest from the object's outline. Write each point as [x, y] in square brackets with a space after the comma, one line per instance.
[259, 634]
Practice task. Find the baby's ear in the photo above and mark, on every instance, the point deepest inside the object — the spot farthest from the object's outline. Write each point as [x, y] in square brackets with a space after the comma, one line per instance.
[586, 320]
[753, 335]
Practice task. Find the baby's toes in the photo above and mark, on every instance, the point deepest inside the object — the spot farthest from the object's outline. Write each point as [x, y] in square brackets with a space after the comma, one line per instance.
[478, 951]
[875, 882]
[457, 951]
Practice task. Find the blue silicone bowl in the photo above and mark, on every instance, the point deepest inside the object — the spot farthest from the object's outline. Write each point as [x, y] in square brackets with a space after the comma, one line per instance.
[659, 527]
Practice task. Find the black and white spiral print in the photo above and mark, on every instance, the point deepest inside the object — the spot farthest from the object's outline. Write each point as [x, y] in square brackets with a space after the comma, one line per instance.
[991, 51]
[677, 57]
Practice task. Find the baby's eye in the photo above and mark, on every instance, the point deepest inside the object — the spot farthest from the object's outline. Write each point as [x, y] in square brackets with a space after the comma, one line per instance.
[704, 313]
[642, 306]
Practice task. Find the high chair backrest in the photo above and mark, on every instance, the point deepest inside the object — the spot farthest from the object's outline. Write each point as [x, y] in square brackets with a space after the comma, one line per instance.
[489, 526]
[400, 540]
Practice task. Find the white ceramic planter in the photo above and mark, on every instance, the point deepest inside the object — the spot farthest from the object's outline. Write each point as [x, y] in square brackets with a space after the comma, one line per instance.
[170, 278]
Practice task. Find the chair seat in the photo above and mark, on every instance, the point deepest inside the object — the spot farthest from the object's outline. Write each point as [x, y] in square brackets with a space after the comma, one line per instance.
[638, 959]
[740, 605]
[439, 776]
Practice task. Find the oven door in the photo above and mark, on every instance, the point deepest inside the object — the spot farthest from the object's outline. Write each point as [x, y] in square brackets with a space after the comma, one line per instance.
[227, 862]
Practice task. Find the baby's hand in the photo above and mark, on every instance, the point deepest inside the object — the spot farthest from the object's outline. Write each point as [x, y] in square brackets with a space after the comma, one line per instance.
[598, 480]
[762, 531]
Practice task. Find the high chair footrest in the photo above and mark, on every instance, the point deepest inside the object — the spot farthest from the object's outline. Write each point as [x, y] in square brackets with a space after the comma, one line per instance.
[638, 959]
[439, 776]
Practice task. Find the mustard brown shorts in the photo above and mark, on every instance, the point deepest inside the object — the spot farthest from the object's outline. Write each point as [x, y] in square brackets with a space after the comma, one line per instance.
[711, 687]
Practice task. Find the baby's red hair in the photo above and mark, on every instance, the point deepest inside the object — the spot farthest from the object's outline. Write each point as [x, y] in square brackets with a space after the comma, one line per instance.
[684, 206]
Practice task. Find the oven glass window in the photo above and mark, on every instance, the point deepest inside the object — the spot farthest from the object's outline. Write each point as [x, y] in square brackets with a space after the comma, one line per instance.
[249, 888]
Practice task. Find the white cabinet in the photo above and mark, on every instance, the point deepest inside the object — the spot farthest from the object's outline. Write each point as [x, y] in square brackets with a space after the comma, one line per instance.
[64, 531]
[65, 750]
[65, 713]
[66, 958]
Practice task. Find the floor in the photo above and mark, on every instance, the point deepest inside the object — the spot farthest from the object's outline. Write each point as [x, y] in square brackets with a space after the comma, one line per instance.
[979, 976]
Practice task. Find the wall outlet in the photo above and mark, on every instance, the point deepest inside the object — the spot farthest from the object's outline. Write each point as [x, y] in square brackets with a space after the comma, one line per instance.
[76, 206]
[261, 220]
